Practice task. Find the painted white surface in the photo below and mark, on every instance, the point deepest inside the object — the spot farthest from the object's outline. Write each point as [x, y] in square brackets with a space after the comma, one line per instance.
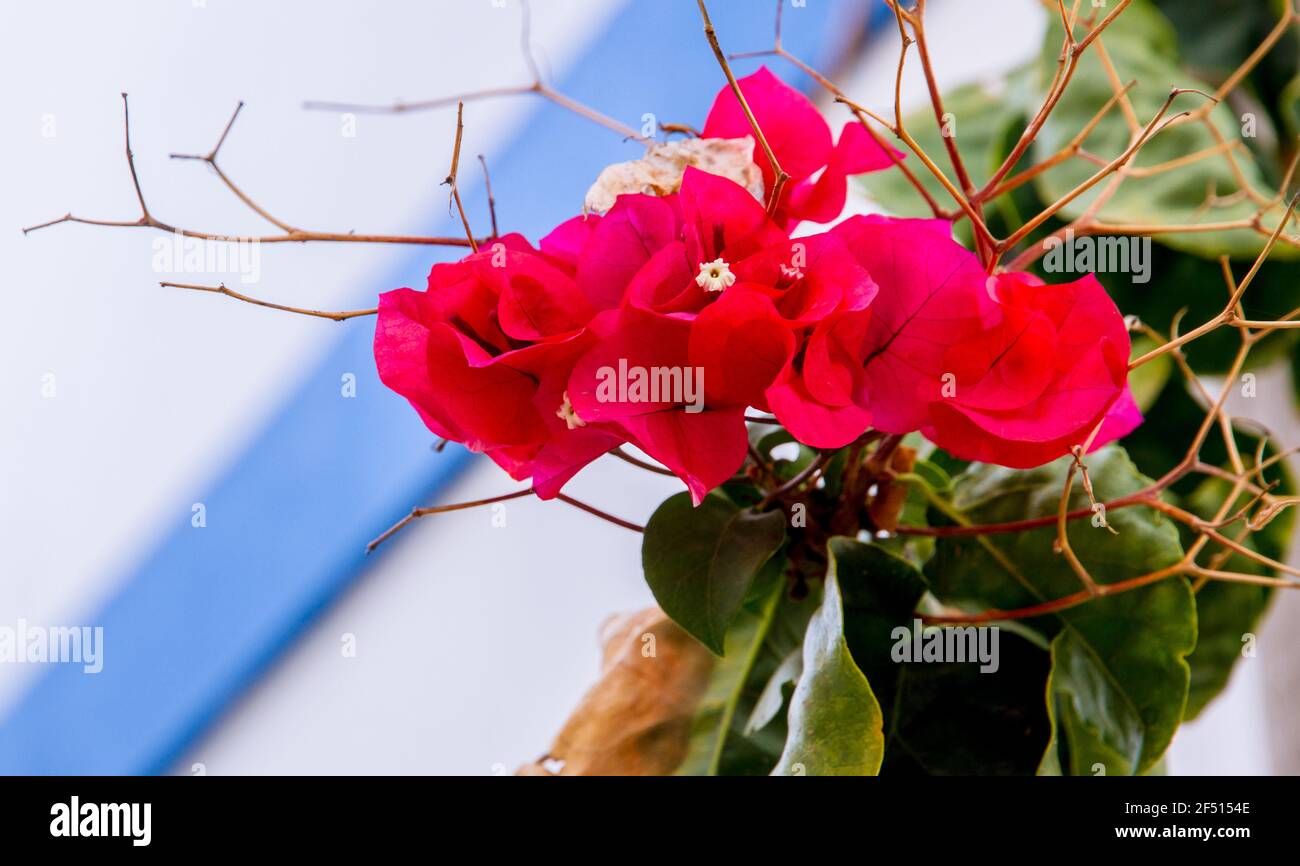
[157, 389]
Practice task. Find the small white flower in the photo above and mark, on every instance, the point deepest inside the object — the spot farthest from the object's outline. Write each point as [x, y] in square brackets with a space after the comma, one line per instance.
[566, 414]
[715, 276]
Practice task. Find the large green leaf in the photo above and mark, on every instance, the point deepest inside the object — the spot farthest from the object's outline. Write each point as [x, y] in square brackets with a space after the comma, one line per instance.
[1227, 612]
[1216, 36]
[1120, 660]
[1142, 45]
[700, 561]
[941, 718]
[952, 719]
[835, 723]
[981, 116]
[714, 727]
[769, 627]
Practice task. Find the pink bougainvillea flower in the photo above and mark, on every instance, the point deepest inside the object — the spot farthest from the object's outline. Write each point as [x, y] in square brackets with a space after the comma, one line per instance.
[571, 443]
[801, 141]
[1038, 382]
[808, 278]
[735, 301]
[702, 442]
[741, 343]
[716, 222]
[1005, 370]
[721, 226]
[821, 395]
[483, 356]
[1122, 418]
[530, 355]
[620, 246]
[682, 316]
[931, 297]
[703, 450]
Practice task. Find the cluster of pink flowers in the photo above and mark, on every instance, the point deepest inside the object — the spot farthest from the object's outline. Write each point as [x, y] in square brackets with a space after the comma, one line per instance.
[878, 323]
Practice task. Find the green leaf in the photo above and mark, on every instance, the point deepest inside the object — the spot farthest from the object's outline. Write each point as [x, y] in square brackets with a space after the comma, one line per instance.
[701, 561]
[1141, 44]
[1225, 611]
[1289, 106]
[1215, 36]
[953, 719]
[1075, 750]
[1119, 661]
[772, 698]
[941, 718]
[835, 723]
[1147, 381]
[714, 722]
[982, 115]
[770, 625]
[1225, 614]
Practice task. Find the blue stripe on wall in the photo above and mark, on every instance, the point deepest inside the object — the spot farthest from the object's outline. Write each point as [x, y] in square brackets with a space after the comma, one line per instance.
[207, 611]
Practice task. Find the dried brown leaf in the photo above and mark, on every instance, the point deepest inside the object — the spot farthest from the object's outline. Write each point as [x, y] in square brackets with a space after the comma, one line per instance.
[660, 171]
[636, 719]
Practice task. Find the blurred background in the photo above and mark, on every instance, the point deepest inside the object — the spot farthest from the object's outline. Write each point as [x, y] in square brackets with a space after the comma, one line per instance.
[264, 640]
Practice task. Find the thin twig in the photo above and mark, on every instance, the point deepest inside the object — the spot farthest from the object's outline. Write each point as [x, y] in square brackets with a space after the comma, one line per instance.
[780, 176]
[451, 177]
[650, 467]
[536, 87]
[491, 200]
[221, 289]
[148, 220]
[417, 513]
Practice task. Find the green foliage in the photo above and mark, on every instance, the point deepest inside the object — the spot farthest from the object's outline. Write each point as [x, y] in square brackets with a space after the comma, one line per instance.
[701, 561]
[1119, 661]
[983, 117]
[1193, 289]
[811, 681]
[941, 718]
[835, 722]
[1215, 36]
[1199, 49]
[1225, 611]
[824, 683]
[1142, 45]
[769, 626]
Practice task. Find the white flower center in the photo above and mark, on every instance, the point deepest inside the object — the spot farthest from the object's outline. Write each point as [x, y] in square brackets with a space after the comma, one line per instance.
[715, 276]
[566, 414]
